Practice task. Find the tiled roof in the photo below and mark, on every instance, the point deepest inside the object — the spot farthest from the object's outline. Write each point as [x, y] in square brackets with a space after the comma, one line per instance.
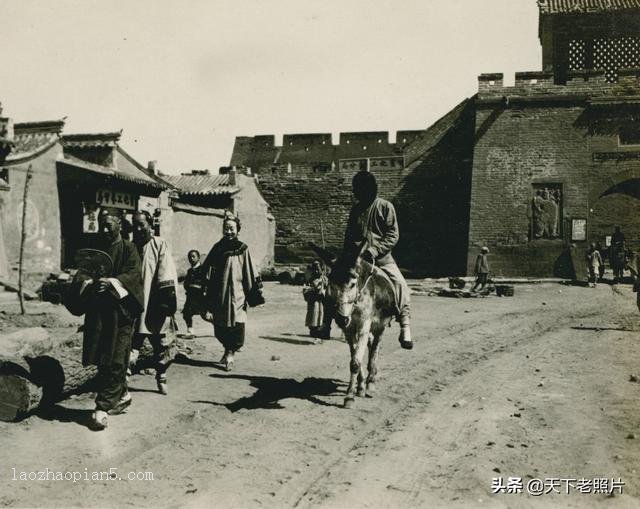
[128, 176]
[91, 139]
[148, 174]
[197, 209]
[32, 138]
[571, 6]
[201, 183]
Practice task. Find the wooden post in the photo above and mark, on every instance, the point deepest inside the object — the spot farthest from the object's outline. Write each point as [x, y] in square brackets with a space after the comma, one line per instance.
[23, 238]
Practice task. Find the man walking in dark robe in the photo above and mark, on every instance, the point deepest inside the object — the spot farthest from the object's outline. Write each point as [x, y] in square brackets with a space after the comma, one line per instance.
[372, 231]
[111, 302]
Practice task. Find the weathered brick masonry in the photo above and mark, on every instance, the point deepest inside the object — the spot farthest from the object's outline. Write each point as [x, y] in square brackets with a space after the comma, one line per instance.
[311, 199]
[538, 132]
[523, 169]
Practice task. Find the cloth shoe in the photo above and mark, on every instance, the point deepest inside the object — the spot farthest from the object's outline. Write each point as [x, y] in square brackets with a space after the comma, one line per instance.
[161, 381]
[99, 420]
[122, 405]
[405, 338]
[227, 360]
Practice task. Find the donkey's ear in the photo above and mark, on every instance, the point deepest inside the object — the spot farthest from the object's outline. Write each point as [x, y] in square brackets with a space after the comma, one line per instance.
[323, 253]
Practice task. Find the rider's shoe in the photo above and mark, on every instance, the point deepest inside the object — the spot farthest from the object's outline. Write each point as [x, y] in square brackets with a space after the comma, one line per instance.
[405, 338]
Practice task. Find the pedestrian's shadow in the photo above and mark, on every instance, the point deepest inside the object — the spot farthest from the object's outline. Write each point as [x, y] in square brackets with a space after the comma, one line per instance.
[63, 414]
[289, 340]
[189, 361]
[271, 391]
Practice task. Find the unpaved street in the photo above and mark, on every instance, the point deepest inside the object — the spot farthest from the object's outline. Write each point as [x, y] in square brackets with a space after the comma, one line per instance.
[534, 386]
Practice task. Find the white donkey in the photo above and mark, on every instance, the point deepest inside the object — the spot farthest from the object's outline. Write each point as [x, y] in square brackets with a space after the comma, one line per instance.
[362, 300]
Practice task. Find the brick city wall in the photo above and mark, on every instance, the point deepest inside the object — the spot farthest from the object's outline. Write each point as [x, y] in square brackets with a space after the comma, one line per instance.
[310, 206]
[540, 133]
[431, 198]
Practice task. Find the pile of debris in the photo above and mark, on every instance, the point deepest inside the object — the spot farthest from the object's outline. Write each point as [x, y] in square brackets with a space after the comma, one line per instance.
[457, 289]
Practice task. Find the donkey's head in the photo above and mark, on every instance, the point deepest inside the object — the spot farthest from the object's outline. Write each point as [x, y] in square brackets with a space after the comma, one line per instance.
[343, 291]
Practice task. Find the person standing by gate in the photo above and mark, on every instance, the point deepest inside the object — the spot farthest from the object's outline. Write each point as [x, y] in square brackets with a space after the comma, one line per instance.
[617, 254]
[594, 262]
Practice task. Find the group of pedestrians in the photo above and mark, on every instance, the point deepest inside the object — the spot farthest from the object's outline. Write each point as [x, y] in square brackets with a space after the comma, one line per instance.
[617, 259]
[127, 293]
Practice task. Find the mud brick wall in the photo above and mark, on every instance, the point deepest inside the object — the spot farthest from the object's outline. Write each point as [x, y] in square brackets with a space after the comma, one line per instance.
[42, 248]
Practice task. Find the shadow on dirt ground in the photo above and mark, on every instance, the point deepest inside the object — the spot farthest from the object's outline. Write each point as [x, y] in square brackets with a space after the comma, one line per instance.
[289, 340]
[67, 415]
[271, 391]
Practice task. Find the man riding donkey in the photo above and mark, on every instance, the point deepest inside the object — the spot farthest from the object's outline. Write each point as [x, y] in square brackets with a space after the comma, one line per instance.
[372, 230]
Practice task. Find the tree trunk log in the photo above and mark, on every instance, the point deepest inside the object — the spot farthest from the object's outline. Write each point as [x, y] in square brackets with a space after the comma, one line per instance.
[36, 370]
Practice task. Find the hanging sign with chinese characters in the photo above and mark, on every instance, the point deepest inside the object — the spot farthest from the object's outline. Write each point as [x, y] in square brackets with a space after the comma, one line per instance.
[90, 218]
[116, 199]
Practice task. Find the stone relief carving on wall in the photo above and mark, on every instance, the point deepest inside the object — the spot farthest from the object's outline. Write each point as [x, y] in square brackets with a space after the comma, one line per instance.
[546, 211]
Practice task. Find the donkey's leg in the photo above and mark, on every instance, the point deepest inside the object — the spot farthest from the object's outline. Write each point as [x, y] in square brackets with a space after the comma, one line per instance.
[357, 356]
[361, 378]
[374, 349]
[352, 379]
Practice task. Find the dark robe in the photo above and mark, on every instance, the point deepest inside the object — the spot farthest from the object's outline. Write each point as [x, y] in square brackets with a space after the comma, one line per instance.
[232, 283]
[108, 321]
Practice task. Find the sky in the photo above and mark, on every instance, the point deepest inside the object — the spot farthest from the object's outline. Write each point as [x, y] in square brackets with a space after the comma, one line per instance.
[183, 78]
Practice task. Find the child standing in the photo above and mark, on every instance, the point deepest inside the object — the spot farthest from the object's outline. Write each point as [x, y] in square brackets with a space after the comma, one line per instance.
[482, 269]
[594, 262]
[194, 289]
[314, 294]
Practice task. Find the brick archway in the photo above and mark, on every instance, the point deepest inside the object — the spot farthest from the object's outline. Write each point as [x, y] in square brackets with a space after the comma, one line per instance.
[625, 182]
[616, 203]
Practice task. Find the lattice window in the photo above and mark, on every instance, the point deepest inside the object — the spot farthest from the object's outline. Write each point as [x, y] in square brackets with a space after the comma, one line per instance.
[613, 54]
[577, 55]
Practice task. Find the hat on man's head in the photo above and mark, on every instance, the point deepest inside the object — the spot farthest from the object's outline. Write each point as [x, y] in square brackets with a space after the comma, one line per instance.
[484, 249]
[110, 212]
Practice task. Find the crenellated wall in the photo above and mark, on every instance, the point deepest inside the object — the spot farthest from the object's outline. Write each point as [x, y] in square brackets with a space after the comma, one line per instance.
[311, 200]
[298, 149]
[537, 133]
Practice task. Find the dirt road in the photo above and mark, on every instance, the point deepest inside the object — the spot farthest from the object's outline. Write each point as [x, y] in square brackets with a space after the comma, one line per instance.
[535, 387]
